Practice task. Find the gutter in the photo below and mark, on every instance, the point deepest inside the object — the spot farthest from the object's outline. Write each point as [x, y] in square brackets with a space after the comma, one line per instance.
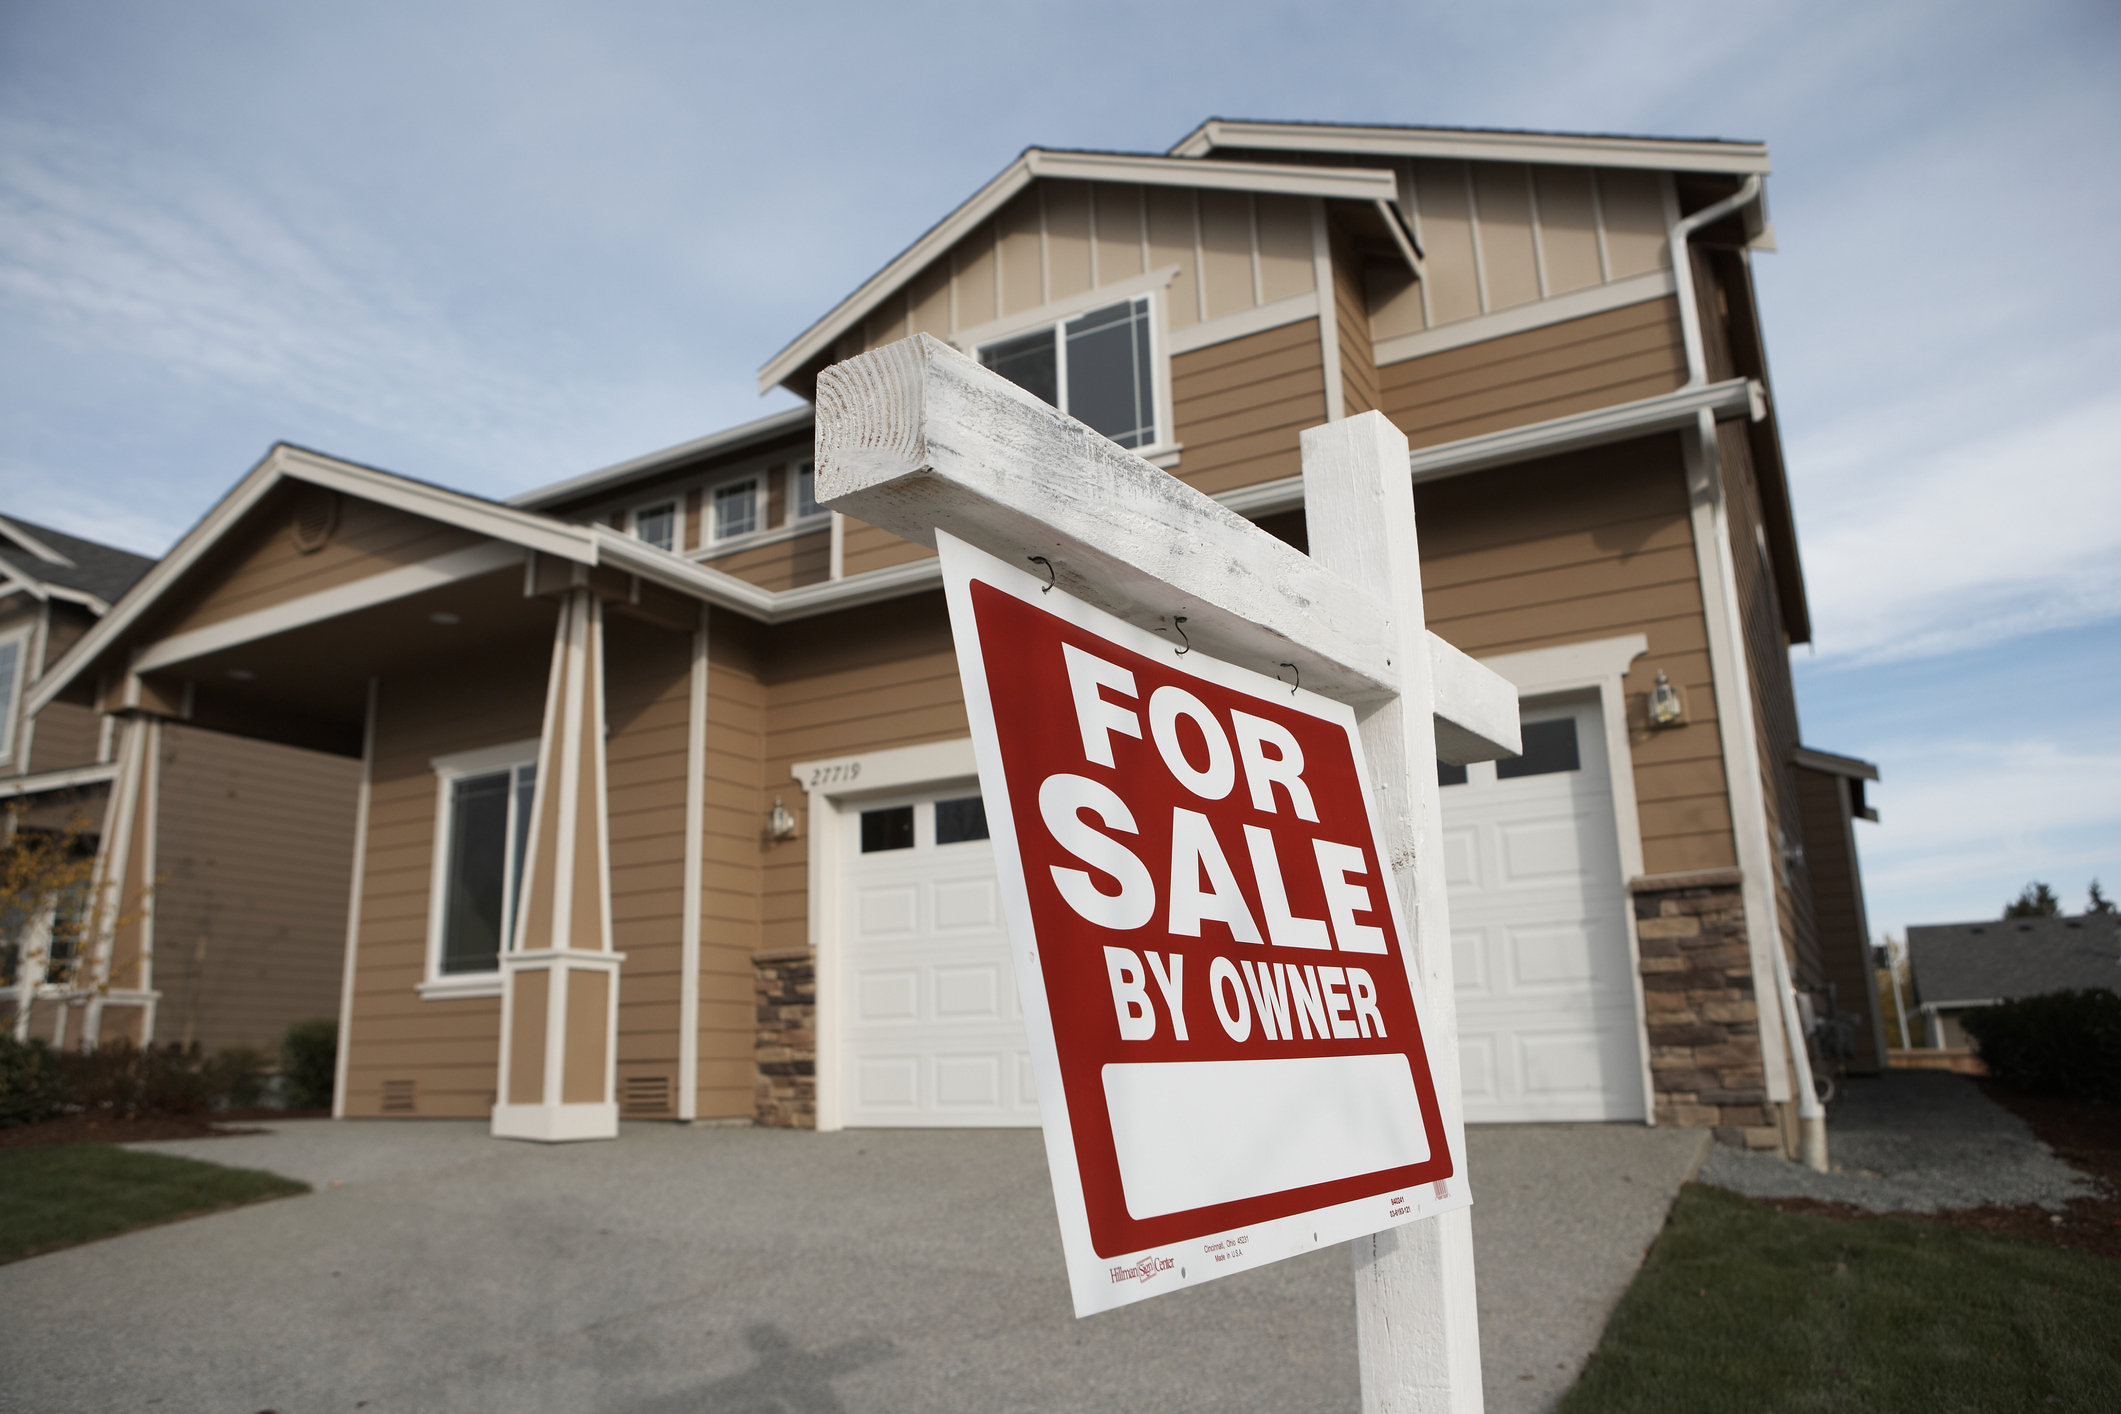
[1683, 274]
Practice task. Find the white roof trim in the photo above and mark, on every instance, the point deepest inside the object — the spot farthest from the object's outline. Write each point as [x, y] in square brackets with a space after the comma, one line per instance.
[1564, 149]
[1731, 398]
[32, 544]
[1344, 183]
[1855, 768]
[725, 440]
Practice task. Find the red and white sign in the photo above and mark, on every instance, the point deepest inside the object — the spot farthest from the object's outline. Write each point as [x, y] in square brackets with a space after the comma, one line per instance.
[1226, 1031]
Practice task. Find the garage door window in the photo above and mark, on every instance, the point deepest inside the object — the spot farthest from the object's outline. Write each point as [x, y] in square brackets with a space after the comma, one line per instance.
[887, 829]
[1549, 748]
[961, 820]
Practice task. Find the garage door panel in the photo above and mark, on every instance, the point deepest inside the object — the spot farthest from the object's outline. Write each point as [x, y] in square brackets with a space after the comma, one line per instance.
[887, 911]
[884, 996]
[1461, 858]
[968, 993]
[1559, 956]
[1469, 962]
[966, 904]
[973, 1081]
[1541, 851]
[885, 1082]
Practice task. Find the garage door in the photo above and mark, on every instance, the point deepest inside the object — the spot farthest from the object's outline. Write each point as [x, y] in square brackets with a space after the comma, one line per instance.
[1546, 998]
[934, 1036]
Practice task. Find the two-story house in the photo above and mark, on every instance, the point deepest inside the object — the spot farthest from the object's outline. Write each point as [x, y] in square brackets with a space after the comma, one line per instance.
[667, 805]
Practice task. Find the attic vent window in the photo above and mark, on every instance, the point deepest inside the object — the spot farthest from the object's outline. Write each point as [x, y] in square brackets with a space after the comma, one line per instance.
[316, 517]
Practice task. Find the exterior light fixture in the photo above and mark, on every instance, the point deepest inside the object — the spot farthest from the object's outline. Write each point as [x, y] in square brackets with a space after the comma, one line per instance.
[780, 822]
[1667, 707]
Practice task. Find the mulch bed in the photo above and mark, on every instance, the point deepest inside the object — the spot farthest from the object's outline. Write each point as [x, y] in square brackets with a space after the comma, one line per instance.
[137, 1129]
[2083, 1133]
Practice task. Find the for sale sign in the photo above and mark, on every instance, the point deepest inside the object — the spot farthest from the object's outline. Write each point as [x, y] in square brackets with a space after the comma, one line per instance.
[1226, 1031]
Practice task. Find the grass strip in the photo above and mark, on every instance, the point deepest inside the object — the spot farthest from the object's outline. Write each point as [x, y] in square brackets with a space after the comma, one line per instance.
[60, 1195]
[1742, 1307]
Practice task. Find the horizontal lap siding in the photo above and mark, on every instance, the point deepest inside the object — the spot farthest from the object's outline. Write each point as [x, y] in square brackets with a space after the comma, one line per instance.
[65, 735]
[785, 564]
[263, 567]
[254, 861]
[866, 680]
[1240, 406]
[864, 547]
[1844, 933]
[647, 708]
[1595, 544]
[449, 1048]
[733, 845]
[1576, 366]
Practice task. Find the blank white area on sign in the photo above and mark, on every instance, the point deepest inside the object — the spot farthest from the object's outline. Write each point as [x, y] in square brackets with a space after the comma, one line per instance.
[1191, 1134]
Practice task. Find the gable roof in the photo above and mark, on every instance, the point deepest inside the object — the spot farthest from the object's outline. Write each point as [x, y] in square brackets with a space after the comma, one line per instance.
[723, 443]
[2014, 957]
[46, 560]
[1141, 168]
[1389, 140]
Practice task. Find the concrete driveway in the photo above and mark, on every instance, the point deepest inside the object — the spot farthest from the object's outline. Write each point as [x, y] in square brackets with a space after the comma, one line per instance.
[711, 1270]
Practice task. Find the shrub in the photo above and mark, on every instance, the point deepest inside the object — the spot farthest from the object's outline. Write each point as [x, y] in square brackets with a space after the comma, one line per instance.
[32, 1086]
[309, 1063]
[235, 1076]
[119, 1078]
[2063, 1043]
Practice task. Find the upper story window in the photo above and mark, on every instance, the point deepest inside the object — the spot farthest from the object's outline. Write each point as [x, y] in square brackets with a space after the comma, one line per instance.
[658, 524]
[734, 510]
[1096, 368]
[14, 657]
[481, 836]
[806, 491]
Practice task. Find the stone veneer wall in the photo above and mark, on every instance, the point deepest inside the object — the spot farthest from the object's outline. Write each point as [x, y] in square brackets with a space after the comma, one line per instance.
[785, 1050]
[1697, 982]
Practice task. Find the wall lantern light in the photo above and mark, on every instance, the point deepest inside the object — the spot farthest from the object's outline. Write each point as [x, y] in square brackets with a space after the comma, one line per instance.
[780, 822]
[1667, 707]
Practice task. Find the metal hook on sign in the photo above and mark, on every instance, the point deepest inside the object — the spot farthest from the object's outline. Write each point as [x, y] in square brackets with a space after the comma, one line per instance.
[1047, 587]
[1299, 677]
[1177, 621]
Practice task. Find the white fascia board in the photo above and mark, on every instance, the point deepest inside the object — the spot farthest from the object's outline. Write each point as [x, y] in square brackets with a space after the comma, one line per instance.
[524, 528]
[728, 439]
[1562, 149]
[93, 603]
[1354, 184]
[1833, 765]
[1663, 413]
[32, 544]
[71, 777]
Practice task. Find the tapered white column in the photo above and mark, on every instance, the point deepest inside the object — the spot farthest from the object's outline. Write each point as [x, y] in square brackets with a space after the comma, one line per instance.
[119, 976]
[1418, 1332]
[560, 977]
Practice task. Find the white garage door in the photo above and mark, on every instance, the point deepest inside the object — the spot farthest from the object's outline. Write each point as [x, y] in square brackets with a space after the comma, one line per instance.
[934, 1036]
[1546, 1001]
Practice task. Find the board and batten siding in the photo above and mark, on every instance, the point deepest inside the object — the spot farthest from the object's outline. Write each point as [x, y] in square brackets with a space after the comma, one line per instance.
[1593, 544]
[448, 1049]
[1579, 365]
[250, 903]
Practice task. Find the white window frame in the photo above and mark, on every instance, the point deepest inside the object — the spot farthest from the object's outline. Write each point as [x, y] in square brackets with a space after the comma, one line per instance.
[10, 733]
[448, 771]
[1165, 448]
[676, 502]
[711, 537]
[818, 514]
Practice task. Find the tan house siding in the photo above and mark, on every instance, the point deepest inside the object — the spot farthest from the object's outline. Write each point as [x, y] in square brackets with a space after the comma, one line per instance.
[1351, 322]
[262, 567]
[863, 547]
[785, 564]
[250, 911]
[1575, 366]
[733, 845]
[449, 1049]
[1240, 406]
[1844, 935]
[1593, 544]
[66, 734]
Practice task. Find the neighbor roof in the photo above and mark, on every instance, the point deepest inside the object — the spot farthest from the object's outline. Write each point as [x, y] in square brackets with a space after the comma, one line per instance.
[45, 559]
[2016, 957]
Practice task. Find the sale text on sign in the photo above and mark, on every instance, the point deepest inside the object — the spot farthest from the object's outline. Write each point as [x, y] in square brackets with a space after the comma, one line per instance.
[1207, 939]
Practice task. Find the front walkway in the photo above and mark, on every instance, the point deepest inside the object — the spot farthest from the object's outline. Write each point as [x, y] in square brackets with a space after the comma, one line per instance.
[721, 1270]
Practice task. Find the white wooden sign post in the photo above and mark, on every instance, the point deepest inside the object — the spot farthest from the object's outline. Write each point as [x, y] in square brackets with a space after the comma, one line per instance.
[920, 440]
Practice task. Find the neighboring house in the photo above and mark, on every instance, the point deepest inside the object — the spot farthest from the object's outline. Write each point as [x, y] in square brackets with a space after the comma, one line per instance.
[242, 929]
[1962, 967]
[665, 769]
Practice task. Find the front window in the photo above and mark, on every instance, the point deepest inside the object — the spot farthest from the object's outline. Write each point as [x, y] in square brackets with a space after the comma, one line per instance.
[1096, 368]
[487, 829]
[11, 662]
[736, 509]
[658, 524]
[806, 492]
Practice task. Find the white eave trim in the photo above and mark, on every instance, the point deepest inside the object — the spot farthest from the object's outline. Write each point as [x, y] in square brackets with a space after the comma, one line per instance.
[730, 440]
[1735, 397]
[70, 778]
[1342, 183]
[32, 544]
[1566, 149]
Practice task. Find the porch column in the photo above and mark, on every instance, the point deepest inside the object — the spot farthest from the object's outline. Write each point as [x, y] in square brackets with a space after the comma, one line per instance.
[560, 978]
[118, 977]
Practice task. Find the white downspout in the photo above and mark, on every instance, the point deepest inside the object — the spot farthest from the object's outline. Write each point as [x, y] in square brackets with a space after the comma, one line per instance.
[1811, 1115]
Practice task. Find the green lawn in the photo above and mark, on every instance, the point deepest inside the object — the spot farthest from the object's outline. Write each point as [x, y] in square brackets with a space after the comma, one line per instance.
[59, 1194]
[1743, 1307]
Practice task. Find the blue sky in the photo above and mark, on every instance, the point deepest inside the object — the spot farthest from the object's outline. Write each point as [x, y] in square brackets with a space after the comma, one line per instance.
[496, 245]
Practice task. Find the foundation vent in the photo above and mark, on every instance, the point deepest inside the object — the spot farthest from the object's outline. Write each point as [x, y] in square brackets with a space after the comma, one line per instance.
[646, 1095]
[400, 1097]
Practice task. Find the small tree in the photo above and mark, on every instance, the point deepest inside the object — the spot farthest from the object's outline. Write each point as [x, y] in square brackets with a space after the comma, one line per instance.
[44, 885]
[2098, 903]
[2037, 900]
